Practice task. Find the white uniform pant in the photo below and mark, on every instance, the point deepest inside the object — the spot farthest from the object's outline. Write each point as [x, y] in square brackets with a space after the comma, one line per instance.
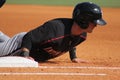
[8, 45]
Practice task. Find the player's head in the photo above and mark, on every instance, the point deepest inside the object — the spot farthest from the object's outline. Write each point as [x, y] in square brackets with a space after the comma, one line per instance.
[2, 3]
[87, 12]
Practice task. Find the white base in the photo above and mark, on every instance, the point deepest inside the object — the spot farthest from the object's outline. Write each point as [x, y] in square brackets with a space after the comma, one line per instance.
[14, 61]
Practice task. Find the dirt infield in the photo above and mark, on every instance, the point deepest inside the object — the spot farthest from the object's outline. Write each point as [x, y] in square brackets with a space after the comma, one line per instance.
[101, 49]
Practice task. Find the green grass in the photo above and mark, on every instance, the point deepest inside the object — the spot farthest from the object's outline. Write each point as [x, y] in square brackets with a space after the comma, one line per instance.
[104, 3]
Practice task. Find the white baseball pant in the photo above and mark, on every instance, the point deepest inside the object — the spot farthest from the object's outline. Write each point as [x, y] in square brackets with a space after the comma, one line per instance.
[8, 45]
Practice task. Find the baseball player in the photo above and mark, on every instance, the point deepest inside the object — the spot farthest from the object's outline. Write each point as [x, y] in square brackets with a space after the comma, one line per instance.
[2, 3]
[55, 37]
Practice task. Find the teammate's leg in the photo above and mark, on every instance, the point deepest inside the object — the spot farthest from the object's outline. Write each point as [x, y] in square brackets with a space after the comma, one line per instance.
[3, 37]
[11, 45]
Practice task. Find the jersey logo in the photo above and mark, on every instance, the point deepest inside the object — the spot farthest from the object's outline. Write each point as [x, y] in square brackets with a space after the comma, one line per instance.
[53, 52]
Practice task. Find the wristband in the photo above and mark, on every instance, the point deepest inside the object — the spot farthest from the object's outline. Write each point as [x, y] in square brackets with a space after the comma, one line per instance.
[72, 53]
[24, 54]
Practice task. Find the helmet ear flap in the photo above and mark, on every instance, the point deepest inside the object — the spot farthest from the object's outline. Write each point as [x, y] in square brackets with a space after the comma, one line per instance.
[76, 13]
[79, 19]
[84, 25]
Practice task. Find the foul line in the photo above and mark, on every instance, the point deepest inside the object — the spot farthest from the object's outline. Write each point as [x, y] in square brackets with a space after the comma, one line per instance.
[53, 73]
[81, 67]
[64, 73]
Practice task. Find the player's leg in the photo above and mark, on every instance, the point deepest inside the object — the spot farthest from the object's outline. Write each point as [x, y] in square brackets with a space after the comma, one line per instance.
[3, 37]
[11, 45]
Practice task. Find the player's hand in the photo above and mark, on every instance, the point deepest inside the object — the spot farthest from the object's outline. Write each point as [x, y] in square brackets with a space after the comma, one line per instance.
[77, 60]
[30, 58]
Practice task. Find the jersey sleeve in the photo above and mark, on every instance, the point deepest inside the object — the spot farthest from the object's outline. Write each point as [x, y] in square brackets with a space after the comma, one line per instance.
[72, 52]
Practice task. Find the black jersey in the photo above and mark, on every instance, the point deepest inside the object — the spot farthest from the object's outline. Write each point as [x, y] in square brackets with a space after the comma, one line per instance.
[52, 39]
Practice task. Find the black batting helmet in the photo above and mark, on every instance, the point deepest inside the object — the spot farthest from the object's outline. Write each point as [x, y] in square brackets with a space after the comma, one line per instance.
[86, 12]
[2, 2]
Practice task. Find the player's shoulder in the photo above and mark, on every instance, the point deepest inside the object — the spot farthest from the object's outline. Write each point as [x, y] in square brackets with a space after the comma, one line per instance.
[60, 21]
[58, 24]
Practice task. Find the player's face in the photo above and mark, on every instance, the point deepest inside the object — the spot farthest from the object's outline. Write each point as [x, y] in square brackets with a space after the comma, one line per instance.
[91, 27]
[76, 30]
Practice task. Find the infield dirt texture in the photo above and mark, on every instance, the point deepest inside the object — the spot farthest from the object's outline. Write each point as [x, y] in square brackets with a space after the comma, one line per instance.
[101, 49]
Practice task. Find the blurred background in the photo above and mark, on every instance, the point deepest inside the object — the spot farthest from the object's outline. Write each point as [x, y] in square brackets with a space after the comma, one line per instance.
[104, 3]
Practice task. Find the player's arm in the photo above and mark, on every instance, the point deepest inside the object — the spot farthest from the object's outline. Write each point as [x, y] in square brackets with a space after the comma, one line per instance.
[73, 54]
[35, 37]
[2, 3]
[74, 58]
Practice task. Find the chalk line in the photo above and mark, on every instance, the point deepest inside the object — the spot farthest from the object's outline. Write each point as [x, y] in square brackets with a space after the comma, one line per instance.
[53, 73]
[81, 67]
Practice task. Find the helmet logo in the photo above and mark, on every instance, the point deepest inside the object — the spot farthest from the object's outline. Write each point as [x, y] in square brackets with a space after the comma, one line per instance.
[96, 10]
